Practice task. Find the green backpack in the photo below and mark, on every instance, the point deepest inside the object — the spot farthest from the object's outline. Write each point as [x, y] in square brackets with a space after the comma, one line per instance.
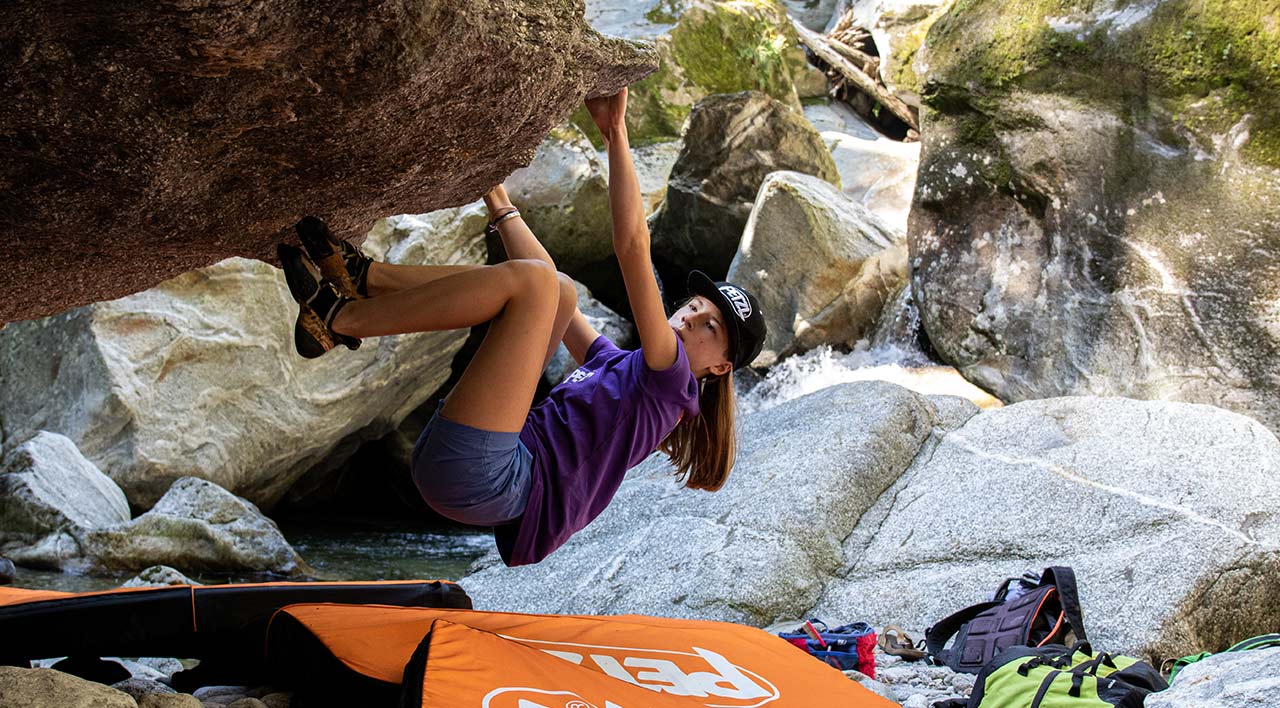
[1053, 676]
[1264, 641]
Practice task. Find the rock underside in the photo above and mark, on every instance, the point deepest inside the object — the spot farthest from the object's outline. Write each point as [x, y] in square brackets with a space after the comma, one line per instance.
[149, 141]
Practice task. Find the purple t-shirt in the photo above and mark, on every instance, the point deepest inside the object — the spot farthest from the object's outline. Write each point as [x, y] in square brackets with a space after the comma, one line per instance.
[607, 416]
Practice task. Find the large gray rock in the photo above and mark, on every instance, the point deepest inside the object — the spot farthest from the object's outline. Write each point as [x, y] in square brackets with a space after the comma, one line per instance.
[875, 171]
[759, 549]
[732, 142]
[644, 20]
[1248, 679]
[1168, 512]
[821, 265]
[47, 486]
[144, 141]
[1098, 203]
[196, 526]
[653, 165]
[198, 376]
[605, 321]
[158, 576]
[46, 688]
[563, 196]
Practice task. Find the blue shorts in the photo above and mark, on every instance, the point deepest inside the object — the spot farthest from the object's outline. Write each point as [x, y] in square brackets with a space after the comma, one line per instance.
[470, 475]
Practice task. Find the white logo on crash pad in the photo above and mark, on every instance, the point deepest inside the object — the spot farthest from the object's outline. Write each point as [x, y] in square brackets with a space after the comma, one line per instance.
[738, 299]
[699, 673]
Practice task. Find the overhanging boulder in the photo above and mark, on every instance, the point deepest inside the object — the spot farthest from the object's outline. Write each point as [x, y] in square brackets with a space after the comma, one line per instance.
[144, 141]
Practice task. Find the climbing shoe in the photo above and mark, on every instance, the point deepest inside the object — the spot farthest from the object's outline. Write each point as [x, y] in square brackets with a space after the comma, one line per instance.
[337, 259]
[318, 304]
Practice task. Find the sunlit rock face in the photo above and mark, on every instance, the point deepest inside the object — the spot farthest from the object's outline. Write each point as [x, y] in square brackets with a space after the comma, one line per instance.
[821, 265]
[1098, 206]
[733, 141]
[876, 171]
[142, 141]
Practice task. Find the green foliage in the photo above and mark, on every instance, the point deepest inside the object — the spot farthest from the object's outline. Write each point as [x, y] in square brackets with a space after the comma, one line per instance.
[1231, 47]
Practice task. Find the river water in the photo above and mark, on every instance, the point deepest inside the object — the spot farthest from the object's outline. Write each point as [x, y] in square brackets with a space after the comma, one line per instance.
[349, 550]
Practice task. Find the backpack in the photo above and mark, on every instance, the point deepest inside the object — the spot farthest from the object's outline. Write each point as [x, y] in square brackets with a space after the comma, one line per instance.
[1054, 676]
[850, 646]
[1264, 641]
[1026, 611]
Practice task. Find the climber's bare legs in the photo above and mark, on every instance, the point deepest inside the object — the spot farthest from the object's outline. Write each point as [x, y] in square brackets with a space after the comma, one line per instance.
[386, 278]
[518, 298]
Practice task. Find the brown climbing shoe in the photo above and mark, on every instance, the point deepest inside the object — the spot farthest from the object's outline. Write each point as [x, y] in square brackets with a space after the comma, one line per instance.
[318, 304]
[337, 259]
[310, 337]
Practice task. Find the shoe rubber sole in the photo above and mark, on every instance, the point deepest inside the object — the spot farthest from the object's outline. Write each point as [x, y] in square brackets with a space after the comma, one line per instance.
[303, 282]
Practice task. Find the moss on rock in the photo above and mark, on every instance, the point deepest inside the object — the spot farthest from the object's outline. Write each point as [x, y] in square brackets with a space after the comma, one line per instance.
[1181, 52]
[737, 45]
[901, 67]
[722, 46]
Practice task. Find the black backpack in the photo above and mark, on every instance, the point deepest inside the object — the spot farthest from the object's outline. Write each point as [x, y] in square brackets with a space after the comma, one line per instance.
[1034, 612]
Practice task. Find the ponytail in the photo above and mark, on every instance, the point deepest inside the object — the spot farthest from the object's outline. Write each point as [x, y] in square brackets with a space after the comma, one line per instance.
[703, 447]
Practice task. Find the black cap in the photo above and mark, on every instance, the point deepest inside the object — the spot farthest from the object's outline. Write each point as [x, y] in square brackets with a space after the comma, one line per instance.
[741, 312]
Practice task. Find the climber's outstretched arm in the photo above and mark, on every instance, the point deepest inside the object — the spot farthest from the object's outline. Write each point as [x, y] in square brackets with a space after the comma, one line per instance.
[631, 234]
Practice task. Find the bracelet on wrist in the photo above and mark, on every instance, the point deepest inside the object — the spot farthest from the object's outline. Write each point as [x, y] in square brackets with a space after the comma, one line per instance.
[493, 225]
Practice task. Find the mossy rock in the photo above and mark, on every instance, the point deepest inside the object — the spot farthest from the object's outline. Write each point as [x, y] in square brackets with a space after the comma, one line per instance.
[1170, 55]
[739, 45]
[1097, 200]
[899, 68]
[722, 46]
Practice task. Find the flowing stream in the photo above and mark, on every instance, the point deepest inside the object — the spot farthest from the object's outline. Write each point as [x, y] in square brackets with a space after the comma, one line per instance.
[347, 550]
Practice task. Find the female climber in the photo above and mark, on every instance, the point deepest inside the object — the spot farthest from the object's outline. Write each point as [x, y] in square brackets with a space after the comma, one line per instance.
[538, 475]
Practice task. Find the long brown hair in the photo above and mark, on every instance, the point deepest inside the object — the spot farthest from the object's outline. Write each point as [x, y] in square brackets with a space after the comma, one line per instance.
[703, 447]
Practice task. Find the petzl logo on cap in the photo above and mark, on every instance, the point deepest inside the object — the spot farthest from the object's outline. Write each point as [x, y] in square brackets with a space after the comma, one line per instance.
[738, 299]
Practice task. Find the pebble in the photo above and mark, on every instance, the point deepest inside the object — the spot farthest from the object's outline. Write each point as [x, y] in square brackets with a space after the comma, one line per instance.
[872, 685]
[277, 700]
[138, 686]
[918, 684]
[221, 694]
[169, 700]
